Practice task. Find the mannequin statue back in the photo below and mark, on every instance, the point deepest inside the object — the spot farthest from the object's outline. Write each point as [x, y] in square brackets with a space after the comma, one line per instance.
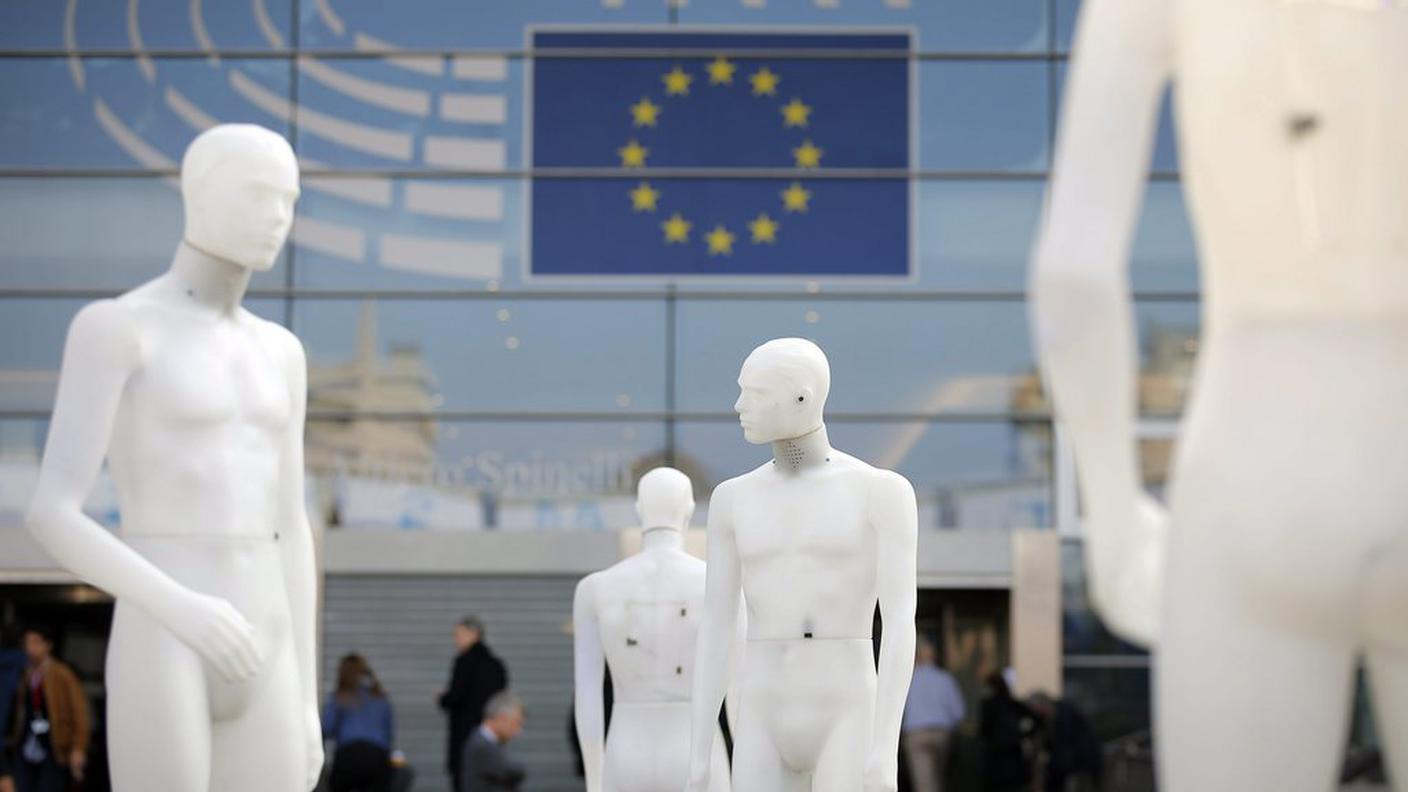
[810, 541]
[1288, 557]
[641, 618]
[197, 406]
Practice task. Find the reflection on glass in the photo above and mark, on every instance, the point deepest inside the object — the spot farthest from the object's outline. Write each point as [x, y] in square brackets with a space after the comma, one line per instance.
[984, 116]
[987, 476]
[412, 356]
[911, 357]
[158, 24]
[1164, 256]
[424, 474]
[1168, 346]
[129, 113]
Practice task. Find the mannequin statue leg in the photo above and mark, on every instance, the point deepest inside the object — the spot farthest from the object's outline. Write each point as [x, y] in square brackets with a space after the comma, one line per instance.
[757, 765]
[1241, 703]
[263, 747]
[718, 767]
[841, 767]
[157, 709]
[1387, 656]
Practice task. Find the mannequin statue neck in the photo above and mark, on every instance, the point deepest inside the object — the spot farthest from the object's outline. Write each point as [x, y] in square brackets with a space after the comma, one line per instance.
[211, 282]
[662, 537]
[796, 454]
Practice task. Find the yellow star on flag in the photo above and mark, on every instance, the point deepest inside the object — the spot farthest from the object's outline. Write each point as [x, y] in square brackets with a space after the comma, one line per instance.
[764, 229]
[807, 155]
[795, 114]
[645, 112]
[764, 82]
[795, 198]
[676, 229]
[633, 155]
[721, 71]
[677, 82]
[644, 197]
[720, 241]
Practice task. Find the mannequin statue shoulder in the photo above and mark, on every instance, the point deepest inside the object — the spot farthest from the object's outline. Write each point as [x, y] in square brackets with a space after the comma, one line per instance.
[280, 338]
[109, 329]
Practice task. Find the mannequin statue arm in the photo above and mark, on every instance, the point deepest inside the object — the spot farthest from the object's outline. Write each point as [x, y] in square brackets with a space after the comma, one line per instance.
[1080, 290]
[102, 351]
[740, 645]
[718, 636]
[296, 543]
[895, 517]
[589, 667]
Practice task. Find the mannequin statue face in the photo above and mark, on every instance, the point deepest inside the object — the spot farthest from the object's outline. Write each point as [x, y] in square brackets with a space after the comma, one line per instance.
[782, 389]
[239, 183]
[664, 499]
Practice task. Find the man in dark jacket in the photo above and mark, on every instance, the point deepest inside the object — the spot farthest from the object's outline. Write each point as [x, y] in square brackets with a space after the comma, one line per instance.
[476, 677]
[1075, 760]
[486, 766]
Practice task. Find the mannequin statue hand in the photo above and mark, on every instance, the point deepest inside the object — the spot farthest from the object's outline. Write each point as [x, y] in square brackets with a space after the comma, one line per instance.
[216, 631]
[882, 772]
[313, 733]
[1125, 554]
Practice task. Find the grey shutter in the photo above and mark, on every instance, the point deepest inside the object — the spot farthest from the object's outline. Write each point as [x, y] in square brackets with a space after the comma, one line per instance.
[402, 625]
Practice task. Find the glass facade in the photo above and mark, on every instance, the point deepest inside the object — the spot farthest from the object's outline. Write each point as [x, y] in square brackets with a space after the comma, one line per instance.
[450, 390]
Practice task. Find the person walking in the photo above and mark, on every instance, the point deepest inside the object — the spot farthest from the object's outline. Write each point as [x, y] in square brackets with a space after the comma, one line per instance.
[51, 724]
[358, 719]
[486, 765]
[1074, 760]
[932, 711]
[476, 676]
[1004, 724]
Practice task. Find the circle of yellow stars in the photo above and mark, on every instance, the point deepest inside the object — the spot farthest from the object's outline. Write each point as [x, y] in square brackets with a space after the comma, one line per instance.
[762, 83]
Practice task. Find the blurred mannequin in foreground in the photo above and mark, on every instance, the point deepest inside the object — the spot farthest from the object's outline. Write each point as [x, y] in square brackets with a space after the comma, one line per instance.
[641, 618]
[1289, 547]
[810, 541]
[197, 405]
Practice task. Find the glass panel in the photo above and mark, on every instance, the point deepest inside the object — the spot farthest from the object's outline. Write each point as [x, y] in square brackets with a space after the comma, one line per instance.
[1067, 12]
[984, 116]
[159, 24]
[449, 24]
[885, 356]
[1168, 343]
[101, 233]
[21, 448]
[368, 474]
[32, 333]
[1116, 701]
[966, 475]
[374, 113]
[128, 113]
[411, 356]
[977, 235]
[942, 25]
[1165, 255]
[1082, 631]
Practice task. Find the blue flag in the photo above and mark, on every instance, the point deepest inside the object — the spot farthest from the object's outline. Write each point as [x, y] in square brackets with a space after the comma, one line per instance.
[720, 154]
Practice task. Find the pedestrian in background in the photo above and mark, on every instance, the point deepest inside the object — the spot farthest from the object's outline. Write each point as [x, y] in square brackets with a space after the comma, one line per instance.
[358, 719]
[932, 711]
[486, 765]
[1005, 724]
[1074, 761]
[51, 724]
[476, 676]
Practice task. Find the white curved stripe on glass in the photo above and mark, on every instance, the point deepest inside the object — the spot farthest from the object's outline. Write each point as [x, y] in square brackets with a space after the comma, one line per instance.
[371, 190]
[454, 201]
[481, 68]
[75, 66]
[330, 17]
[450, 258]
[134, 36]
[202, 34]
[381, 142]
[334, 239]
[465, 153]
[138, 149]
[266, 25]
[187, 111]
[402, 100]
[473, 108]
[421, 64]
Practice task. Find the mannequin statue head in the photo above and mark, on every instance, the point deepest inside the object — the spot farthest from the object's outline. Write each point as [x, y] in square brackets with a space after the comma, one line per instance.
[239, 183]
[782, 390]
[665, 499]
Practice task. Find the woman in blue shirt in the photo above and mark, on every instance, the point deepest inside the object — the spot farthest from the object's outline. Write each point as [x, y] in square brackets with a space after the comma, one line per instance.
[357, 718]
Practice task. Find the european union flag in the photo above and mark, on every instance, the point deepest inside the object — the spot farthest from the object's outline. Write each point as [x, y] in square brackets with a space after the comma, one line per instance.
[666, 154]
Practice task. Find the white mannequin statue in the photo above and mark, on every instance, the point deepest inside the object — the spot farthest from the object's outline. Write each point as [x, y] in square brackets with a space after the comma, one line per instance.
[198, 407]
[1288, 559]
[811, 540]
[642, 617]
